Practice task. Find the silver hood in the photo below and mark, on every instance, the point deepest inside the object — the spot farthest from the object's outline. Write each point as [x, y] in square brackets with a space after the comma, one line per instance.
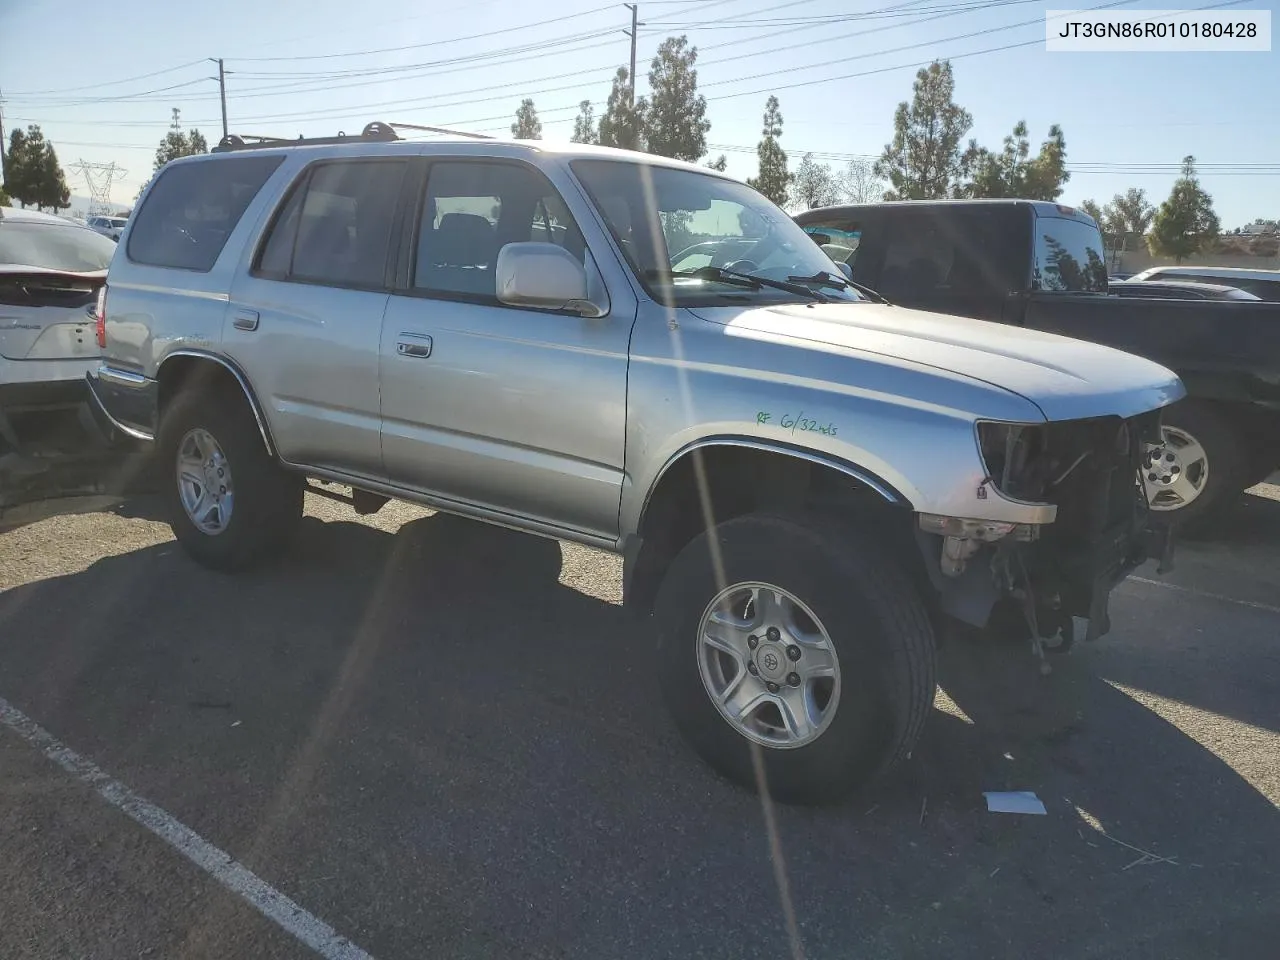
[1067, 379]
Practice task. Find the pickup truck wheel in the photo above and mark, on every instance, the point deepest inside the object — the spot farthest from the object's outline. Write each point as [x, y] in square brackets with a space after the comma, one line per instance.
[229, 502]
[1199, 470]
[806, 648]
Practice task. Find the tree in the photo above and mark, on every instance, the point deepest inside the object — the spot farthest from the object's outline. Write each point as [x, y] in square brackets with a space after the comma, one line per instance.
[22, 165]
[53, 190]
[584, 125]
[813, 185]
[773, 178]
[1092, 209]
[720, 163]
[32, 172]
[5, 200]
[622, 124]
[676, 121]
[858, 183]
[527, 125]
[923, 160]
[178, 144]
[1131, 211]
[1013, 172]
[1185, 222]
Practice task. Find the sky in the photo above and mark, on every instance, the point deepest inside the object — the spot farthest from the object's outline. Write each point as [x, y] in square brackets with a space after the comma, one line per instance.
[102, 81]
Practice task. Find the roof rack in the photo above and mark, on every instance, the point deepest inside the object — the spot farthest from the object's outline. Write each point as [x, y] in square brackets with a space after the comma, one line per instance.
[372, 133]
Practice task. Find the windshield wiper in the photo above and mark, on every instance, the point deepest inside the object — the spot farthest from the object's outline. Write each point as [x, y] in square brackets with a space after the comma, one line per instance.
[738, 279]
[822, 279]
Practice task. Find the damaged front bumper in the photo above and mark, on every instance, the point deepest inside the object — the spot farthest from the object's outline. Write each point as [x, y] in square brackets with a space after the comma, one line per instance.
[1034, 580]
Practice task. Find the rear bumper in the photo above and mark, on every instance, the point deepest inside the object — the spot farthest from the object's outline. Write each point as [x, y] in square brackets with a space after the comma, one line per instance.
[127, 399]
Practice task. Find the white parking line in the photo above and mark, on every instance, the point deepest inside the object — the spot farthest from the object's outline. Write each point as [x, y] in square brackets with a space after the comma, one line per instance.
[235, 876]
[1208, 596]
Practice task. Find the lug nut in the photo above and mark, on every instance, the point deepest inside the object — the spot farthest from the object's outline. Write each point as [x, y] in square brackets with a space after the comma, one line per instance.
[1169, 458]
[793, 652]
[773, 634]
[753, 641]
[773, 687]
[793, 679]
[752, 668]
[1151, 477]
[222, 489]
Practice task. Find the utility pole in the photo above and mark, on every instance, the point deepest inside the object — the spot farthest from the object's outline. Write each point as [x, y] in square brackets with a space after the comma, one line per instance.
[222, 91]
[635, 10]
[2, 154]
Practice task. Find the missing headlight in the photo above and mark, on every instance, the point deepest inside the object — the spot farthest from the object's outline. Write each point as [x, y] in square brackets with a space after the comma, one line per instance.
[1015, 458]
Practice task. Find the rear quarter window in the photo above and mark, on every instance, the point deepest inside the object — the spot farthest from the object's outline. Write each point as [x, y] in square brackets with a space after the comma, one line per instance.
[191, 210]
[1069, 256]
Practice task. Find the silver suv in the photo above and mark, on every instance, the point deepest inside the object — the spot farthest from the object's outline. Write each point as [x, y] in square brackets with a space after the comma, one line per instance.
[807, 483]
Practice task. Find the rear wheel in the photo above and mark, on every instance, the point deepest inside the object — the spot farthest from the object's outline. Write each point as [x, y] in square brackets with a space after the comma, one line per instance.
[1199, 469]
[787, 638]
[230, 503]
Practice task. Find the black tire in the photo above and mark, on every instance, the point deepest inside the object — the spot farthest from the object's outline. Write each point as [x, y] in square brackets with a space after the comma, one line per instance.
[268, 499]
[1226, 456]
[875, 619]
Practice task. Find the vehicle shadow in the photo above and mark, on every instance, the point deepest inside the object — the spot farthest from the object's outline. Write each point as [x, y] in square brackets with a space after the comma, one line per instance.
[452, 727]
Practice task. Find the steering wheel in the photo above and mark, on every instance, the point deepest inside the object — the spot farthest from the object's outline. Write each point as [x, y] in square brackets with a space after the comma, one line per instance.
[742, 266]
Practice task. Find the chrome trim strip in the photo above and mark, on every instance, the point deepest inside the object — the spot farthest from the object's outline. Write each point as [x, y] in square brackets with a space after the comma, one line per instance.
[459, 508]
[240, 379]
[124, 378]
[124, 428]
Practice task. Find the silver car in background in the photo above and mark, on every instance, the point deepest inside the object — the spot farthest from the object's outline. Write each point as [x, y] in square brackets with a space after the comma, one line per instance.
[51, 271]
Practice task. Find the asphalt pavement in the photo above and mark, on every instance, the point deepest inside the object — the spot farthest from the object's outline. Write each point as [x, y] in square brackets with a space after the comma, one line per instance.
[441, 739]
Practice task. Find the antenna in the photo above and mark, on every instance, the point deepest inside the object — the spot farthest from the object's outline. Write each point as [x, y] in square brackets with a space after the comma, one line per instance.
[99, 177]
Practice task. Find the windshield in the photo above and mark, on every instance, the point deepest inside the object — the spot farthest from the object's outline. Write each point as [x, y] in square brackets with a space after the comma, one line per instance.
[672, 223]
[54, 246]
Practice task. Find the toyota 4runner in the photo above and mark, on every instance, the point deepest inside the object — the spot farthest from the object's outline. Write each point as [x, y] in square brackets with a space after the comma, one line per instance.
[806, 483]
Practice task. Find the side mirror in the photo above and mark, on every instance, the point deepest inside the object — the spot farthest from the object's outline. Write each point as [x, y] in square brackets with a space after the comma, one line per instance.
[543, 276]
[846, 270]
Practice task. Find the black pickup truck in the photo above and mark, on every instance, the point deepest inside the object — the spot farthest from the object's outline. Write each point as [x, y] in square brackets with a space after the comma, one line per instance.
[1042, 265]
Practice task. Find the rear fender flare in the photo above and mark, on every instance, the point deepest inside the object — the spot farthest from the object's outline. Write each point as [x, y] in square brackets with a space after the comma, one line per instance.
[238, 375]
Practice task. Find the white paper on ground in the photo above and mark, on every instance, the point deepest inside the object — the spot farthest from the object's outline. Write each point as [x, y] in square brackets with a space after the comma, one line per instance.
[1014, 801]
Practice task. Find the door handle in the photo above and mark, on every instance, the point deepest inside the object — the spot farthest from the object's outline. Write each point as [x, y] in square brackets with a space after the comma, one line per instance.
[413, 345]
[246, 320]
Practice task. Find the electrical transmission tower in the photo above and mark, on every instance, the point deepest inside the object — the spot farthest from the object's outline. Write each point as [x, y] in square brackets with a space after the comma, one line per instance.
[99, 177]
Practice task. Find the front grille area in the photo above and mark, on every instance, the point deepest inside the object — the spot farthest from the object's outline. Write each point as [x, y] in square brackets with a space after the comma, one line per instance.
[1090, 470]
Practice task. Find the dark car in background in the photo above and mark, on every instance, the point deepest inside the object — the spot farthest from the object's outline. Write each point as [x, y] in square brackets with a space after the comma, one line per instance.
[1043, 265]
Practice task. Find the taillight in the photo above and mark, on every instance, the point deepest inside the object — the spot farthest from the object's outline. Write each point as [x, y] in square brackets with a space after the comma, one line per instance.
[100, 312]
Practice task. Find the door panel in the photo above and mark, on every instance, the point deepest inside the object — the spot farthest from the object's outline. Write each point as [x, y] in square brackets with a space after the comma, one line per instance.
[516, 410]
[313, 361]
[304, 323]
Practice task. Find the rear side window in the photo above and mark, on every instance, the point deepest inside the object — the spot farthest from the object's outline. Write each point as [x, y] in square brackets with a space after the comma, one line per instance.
[336, 227]
[54, 246]
[1069, 256]
[192, 209]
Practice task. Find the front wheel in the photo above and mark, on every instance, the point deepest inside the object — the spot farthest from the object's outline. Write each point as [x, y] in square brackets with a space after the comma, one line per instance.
[230, 504]
[787, 638]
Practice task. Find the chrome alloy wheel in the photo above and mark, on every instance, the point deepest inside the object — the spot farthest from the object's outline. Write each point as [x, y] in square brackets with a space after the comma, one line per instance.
[768, 665]
[1176, 472]
[204, 482]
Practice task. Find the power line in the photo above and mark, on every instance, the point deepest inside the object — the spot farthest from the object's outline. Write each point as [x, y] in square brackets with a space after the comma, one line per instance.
[108, 83]
[430, 43]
